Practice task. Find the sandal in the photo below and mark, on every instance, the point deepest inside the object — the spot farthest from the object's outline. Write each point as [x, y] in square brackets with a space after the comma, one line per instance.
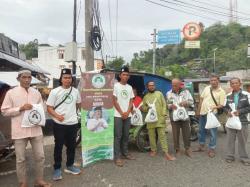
[246, 163]
[229, 160]
[119, 163]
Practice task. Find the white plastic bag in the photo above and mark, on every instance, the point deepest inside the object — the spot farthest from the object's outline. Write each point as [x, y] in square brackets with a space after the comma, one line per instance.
[212, 121]
[151, 116]
[180, 114]
[34, 117]
[136, 118]
[234, 121]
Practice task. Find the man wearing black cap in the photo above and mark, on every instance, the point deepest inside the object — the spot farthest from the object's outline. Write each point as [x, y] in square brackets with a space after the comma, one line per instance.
[62, 105]
[123, 100]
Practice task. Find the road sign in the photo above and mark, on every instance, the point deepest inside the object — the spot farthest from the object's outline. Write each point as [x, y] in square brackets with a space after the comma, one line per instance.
[169, 36]
[248, 51]
[191, 31]
[192, 44]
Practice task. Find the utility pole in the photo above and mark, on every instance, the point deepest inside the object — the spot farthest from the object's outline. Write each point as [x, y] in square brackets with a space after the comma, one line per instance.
[74, 40]
[154, 48]
[88, 26]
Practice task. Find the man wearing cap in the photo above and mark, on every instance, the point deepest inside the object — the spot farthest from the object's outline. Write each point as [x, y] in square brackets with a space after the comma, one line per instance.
[16, 102]
[62, 105]
[123, 102]
[156, 97]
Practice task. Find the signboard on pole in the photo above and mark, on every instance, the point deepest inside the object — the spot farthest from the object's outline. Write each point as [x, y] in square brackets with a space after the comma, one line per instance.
[191, 31]
[169, 36]
[97, 117]
[192, 44]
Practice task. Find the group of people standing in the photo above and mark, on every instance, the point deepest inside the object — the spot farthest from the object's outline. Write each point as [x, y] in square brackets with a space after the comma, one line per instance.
[213, 98]
[64, 101]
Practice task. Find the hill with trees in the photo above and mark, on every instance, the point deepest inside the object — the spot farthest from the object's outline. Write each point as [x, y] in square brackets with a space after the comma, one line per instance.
[230, 40]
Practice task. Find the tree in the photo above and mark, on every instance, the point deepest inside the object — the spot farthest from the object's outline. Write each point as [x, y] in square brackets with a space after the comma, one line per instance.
[231, 41]
[30, 49]
[116, 64]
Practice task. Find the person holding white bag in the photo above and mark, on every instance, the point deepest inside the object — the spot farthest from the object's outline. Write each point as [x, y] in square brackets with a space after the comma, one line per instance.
[156, 100]
[239, 98]
[212, 98]
[17, 101]
[176, 98]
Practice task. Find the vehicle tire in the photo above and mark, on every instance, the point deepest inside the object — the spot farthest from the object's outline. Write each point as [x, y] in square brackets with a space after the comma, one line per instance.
[142, 139]
[194, 127]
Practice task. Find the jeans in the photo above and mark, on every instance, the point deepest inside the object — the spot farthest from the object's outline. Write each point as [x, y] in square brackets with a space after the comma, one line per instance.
[202, 133]
[64, 135]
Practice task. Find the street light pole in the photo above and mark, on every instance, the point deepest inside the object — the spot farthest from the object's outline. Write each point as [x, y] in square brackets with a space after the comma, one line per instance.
[214, 59]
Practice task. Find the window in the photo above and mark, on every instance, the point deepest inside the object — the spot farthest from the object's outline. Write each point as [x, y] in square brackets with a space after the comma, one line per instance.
[62, 66]
[60, 54]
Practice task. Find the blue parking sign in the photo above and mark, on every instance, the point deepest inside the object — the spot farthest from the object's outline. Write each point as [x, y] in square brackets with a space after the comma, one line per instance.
[169, 36]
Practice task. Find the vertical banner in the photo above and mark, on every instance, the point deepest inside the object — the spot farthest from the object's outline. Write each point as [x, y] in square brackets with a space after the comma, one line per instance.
[97, 117]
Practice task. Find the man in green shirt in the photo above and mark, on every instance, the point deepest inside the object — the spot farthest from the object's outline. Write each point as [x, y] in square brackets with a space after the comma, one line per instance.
[160, 125]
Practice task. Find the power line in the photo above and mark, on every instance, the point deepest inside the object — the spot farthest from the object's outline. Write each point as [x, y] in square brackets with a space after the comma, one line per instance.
[183, 11]
[201, 8]
[220, 7]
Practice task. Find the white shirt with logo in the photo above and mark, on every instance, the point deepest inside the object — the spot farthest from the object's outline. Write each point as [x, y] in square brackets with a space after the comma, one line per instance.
[123, 93]
[68, 107]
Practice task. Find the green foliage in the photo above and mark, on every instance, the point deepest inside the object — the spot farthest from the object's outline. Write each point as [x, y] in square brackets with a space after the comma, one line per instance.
[30, 49]
[116, 64]
[231, 41]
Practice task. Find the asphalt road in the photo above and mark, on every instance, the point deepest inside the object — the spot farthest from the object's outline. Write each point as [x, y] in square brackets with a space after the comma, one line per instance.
[144, 171]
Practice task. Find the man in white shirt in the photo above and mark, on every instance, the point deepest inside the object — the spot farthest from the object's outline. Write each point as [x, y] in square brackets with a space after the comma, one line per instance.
[97, 123]
[123, 101]
[62, 105]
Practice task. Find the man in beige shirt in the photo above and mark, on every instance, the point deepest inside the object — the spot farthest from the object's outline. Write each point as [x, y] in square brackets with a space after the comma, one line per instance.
[16, 102]
[207, 103]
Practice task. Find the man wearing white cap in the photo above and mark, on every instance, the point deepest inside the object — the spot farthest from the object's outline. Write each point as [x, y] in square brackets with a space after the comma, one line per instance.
[16, 102]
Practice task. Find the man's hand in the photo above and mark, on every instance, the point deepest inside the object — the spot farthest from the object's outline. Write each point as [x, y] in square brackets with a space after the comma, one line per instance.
[26, 107]
[173, 107]
[125, 115]
[60, 117]
[184, 104]
[236, 113]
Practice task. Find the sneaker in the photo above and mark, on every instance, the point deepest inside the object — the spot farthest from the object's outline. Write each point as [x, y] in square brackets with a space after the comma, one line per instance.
[57, 175]
[72, 170]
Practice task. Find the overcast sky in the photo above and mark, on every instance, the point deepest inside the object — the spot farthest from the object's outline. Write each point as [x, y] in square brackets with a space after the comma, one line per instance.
[50, 21]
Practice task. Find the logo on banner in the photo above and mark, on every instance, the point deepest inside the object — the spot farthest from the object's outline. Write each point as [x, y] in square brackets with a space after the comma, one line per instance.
[34, 117]
[98, 81]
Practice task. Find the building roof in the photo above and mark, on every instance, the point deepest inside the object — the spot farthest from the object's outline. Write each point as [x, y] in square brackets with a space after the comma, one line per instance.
[10, 79]
[21, 63]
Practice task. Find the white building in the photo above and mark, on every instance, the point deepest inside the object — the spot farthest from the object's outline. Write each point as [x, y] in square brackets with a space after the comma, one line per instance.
[51, 59]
